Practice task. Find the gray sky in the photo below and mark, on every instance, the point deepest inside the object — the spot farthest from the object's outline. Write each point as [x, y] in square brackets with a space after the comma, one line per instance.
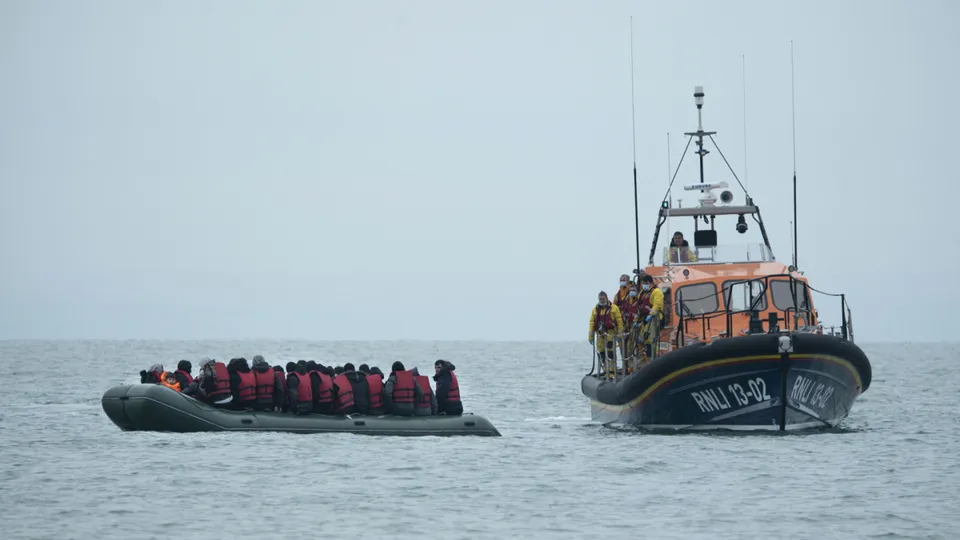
[438, 170]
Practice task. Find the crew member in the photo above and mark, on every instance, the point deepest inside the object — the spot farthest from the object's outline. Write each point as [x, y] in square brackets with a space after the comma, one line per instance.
[448, 388]
[607, 324]
[631, 323]
[401, 393]
[623, 292]
[652, 306]
[427, 404]
[679, 250]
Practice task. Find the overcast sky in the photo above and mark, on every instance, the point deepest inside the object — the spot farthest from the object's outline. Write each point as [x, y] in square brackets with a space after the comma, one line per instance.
[439, 170]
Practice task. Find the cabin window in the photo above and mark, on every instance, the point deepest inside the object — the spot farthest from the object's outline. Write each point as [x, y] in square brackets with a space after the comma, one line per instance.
[737, 295]
[782, 295]
[698, 299]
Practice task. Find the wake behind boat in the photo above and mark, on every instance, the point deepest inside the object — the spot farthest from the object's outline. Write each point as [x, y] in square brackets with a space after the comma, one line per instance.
[152, 407]
[737, 343]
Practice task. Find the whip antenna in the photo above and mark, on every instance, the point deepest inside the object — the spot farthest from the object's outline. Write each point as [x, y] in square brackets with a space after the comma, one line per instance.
[633, 118]
[793, 101]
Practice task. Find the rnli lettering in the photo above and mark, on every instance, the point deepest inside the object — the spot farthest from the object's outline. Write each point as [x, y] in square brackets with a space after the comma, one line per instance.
[811, 392]
[716, 399]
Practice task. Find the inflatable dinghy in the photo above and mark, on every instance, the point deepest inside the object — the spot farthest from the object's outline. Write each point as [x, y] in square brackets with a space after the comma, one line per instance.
[152, 407]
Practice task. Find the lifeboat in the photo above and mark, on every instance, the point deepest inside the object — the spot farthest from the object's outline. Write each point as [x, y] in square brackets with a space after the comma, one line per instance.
[740, 344]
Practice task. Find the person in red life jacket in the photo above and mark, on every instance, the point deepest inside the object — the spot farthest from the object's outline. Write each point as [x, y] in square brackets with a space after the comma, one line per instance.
[299, 390]
[427, 405]
[623, 292]
[282, 377]
[346, 402]
[152, 374]
[243, 384]
[448, 388]
[375, 391]
[361, 390]
[269, 386]
[401, 393]
[214, 383]
[325, 396]
[183, 375]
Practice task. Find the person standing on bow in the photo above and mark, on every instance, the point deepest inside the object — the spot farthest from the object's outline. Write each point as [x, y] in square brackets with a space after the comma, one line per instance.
[650, 312]
[606, 323]
[631, 324]
[623, 292]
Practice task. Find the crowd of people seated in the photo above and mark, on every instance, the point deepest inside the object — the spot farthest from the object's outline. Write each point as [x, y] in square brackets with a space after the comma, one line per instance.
[306, 387]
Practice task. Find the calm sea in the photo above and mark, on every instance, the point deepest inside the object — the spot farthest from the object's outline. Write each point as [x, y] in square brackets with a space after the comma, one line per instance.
[67, 472]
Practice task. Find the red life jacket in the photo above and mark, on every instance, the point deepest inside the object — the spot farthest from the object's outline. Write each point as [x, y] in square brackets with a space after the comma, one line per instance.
[605, 318]
[304, 390]
[643, 300]
[403, 388]
[187, 375]
[629, 310]
[344, 392]
[266, 381]
[222, 388]
[424, 383]
[375, 384]
[325, 390]
[247, 390]
[454, 393]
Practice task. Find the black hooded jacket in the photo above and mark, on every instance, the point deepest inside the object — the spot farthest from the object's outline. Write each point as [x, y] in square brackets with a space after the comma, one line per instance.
[361, 392]
[444, 380]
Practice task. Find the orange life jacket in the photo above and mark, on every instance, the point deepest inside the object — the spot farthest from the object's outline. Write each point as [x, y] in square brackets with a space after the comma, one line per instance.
[163, 381]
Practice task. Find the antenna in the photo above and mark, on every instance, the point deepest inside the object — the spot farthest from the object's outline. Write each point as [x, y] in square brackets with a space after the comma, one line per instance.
[743, 68]
[793, 101]
[633, 118]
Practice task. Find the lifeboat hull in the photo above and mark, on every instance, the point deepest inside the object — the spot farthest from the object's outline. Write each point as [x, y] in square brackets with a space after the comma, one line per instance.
[748, 383]
[151, 407]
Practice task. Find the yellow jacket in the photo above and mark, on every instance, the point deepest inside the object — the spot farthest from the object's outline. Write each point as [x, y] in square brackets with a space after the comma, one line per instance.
[656, 301]
[614, 313]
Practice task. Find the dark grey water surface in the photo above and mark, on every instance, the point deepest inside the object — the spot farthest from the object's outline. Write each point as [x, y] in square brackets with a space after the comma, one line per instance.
[67, 472]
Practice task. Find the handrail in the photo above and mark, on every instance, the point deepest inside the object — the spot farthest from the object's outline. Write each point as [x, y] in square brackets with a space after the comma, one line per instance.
[685, 317]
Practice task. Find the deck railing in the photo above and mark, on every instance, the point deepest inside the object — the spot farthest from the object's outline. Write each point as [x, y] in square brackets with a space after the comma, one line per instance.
[718, 324]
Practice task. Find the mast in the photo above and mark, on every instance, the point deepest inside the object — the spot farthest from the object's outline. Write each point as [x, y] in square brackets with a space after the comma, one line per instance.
[698, 99]
[633, 118]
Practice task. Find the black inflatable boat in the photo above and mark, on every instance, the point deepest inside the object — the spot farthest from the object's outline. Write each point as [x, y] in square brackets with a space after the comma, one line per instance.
[152, 407]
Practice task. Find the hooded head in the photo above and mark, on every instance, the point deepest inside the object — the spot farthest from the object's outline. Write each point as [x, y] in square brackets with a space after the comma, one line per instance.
[302, 368]
[185, 365]
[278, 368]
[397, 366]
[260, 364]
[364, 368]
[311, 365]
[376, 371]
[291, 367]
[338, 370]
[348, 367]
